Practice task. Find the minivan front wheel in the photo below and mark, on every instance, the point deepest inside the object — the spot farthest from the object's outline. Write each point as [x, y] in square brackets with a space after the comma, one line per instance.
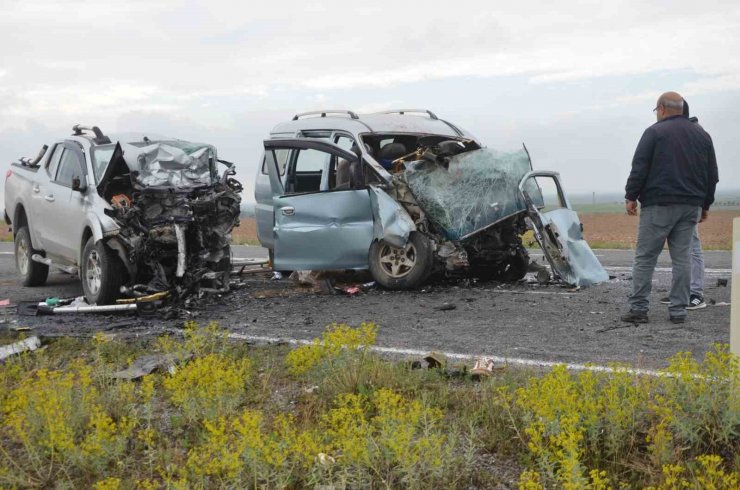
[401, 268]
[101, 273]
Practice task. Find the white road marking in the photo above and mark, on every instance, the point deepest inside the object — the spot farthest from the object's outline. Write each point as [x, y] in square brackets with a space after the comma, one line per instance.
[665, 269]
[467, 357]
[533, 292]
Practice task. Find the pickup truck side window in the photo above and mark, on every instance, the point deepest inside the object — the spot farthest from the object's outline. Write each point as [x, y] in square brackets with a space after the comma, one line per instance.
[69, 168]
[53, 161]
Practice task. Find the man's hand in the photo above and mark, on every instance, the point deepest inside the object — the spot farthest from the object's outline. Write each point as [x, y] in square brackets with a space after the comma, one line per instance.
[631, 207]
[704, 215]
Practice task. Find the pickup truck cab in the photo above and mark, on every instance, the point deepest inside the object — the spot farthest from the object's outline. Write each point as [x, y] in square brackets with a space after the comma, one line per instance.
[54, 210]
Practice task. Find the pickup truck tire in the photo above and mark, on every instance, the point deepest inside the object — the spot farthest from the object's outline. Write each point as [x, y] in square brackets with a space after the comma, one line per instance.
[396, 268]
[33, 273]
[101, 272]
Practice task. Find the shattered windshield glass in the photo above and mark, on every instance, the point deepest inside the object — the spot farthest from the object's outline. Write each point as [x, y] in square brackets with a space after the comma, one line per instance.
[476, 190]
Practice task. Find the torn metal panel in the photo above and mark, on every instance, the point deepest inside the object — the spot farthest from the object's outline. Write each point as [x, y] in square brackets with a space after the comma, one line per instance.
[559, 234]
[473, 191]
[567, 251]
[391, 221]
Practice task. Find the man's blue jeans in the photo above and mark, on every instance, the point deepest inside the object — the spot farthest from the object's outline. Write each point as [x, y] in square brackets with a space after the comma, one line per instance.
[697, 265]
[675, 223]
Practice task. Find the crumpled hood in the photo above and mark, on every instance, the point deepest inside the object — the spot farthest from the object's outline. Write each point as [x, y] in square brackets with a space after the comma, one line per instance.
[476, 190]
[175, 163]
[171, 163]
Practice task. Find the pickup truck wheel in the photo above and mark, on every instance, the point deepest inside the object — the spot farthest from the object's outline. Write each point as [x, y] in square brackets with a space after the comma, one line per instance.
[101, 273]
[33, 273]
[401, 268]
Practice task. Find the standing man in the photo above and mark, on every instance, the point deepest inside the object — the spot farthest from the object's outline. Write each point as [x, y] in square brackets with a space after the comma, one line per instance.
[696, 298]
[674, 174]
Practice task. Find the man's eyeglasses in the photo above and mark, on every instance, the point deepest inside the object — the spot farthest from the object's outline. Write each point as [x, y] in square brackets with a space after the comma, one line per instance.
[656, 108]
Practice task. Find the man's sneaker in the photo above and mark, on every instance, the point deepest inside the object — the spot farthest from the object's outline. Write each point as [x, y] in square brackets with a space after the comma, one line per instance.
[665, 301]
[696, 302]
[635, 317]
[678, 319]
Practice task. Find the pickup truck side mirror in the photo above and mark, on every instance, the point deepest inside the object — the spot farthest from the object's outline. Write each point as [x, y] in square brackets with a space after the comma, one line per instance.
[79, 184]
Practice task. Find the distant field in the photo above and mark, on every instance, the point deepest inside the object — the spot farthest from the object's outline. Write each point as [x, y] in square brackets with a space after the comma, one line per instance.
[617, 230]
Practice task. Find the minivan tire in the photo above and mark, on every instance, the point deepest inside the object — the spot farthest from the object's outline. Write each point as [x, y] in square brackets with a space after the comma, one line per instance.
[396, 268]
[101, 273]
[33, 273]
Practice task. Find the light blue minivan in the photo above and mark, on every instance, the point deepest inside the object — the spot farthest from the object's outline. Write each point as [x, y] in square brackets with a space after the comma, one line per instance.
[405, 194]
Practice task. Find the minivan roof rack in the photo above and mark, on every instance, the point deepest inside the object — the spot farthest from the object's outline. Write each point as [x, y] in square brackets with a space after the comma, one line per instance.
[417, 111]
[99, 139]
[324, 113]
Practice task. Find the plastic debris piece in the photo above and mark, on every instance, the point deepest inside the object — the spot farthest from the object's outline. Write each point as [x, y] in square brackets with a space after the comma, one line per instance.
[31, 343]
[277, 276]
[722, 282]
[5, 302]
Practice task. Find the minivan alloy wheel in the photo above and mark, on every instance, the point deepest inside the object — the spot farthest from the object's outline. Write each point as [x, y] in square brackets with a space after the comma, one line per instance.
[398, 262]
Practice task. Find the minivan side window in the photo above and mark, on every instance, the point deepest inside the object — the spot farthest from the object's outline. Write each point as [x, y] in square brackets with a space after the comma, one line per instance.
[281, 158]
[307, 170]
[69, 168]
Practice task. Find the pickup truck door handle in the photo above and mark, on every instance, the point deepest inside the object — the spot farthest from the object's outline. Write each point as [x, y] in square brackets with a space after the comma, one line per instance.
[49, 197]
[36, 189]
[288, 211]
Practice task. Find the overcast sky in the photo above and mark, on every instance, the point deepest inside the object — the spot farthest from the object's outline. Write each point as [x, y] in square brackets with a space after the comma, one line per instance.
[575, 81]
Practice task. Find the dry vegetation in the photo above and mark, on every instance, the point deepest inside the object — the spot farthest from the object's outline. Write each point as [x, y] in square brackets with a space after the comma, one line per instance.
[334, 413]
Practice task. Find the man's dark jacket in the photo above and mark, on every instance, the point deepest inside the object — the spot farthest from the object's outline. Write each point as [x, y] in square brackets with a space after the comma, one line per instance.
[674, 164]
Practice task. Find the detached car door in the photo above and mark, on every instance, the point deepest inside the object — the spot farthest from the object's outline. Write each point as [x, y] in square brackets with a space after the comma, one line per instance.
[318, 224]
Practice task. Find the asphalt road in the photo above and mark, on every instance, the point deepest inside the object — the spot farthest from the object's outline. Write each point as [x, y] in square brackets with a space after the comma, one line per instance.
[522, 321]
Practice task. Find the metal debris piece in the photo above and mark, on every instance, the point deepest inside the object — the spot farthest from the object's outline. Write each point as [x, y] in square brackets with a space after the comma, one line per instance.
[445, 307]
[277, 276]
[31, 343]
[147, 364]
[92, 309]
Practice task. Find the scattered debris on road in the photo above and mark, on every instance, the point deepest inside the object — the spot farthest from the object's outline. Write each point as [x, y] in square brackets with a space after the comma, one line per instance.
[29, 344]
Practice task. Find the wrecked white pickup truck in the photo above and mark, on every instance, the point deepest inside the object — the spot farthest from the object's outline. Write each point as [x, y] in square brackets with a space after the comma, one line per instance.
[405, 194]
[132, 219]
